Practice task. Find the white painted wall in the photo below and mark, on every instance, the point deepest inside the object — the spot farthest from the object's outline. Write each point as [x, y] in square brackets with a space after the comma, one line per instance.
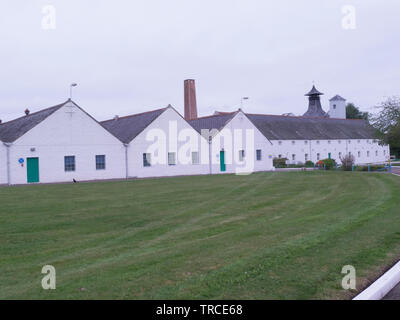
[3, 163]
[164, 125]
[337, 109]
[358, 147]
[64, 134]
[242, 141]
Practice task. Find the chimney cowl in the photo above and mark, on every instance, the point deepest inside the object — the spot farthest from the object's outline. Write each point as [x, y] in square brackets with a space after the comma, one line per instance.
[27, 111]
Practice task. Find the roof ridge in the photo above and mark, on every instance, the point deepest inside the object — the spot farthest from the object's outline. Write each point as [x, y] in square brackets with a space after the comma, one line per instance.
[134, 115]
[301, 117]
[36, 112]
[215, 115]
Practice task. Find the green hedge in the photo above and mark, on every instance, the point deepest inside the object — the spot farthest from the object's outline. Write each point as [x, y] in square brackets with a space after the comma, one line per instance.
[371, 168]
[279, 162]
[309, 164]
[327, 164]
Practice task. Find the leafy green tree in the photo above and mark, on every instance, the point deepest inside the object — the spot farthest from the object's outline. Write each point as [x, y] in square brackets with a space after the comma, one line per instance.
[352, 112]
[387, 123]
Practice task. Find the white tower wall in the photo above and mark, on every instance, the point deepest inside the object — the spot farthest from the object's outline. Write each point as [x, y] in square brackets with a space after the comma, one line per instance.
[337, 107]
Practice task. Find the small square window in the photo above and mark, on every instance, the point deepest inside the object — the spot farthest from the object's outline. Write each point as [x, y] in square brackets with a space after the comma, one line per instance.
[171, 158]
[258, 155]
[146, 160]
[100, 162]
[69, 163]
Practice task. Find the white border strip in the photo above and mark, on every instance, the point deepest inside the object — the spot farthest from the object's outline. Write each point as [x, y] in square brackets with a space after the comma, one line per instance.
[382, 286]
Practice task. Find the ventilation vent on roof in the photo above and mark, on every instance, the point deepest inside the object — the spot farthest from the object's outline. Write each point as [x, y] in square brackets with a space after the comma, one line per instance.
[27, 111]
[116, 117]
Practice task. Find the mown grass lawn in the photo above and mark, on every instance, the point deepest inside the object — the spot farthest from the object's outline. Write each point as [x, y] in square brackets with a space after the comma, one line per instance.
[263, 236]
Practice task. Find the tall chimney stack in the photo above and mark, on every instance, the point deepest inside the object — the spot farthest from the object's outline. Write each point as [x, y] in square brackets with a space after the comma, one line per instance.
[190, 100]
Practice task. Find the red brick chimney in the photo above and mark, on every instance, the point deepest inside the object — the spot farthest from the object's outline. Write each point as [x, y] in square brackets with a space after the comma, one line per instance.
[190, 100]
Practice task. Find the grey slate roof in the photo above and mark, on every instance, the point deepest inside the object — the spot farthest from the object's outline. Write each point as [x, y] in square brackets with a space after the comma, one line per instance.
[314, 92]
[315, 110]
[303, 128]
[276, 127]
[217, 121]
[127, 128]
[14, 129]
[337, 97]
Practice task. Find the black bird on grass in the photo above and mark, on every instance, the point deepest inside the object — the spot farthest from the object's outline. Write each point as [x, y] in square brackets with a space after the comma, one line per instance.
[74, 181]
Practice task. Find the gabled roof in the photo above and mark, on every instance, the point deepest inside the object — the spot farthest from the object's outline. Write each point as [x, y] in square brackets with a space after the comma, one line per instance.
[216, 121]
[337, 98]
[128, 127]
[14, 129]
[304, 128]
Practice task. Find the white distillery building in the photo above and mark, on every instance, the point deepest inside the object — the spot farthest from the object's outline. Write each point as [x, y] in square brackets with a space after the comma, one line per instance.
[58, 144]
[64, 143]
[159, 143]
[315, 136]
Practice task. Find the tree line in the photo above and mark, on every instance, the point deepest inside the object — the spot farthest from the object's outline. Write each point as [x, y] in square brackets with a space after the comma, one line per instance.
[385, 122]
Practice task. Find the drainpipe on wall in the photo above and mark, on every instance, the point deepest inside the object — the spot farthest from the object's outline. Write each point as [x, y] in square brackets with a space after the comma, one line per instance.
[8, 145]
[126, 145]
[209, 153]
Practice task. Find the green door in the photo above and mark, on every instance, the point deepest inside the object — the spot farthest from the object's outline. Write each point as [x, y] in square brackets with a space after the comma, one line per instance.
[32, 167]
[222, 160]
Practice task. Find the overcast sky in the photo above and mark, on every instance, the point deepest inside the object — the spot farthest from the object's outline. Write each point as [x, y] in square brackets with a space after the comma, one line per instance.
[130, 56]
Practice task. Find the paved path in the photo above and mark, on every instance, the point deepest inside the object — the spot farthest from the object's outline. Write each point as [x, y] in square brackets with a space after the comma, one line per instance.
[394, 294]
[396, 169]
